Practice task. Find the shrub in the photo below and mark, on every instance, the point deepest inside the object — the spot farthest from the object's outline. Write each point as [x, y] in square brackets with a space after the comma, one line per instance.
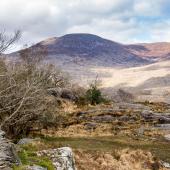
[93, 94]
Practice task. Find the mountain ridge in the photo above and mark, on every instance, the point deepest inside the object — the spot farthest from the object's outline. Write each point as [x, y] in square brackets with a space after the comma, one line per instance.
[89, 47]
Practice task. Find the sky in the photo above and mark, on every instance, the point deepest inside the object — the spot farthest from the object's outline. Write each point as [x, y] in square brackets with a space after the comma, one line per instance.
[124, 21]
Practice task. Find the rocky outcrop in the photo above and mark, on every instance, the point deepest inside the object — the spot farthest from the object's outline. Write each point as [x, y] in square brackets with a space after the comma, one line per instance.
[62, 158]
[151, 116]
[163, 126]
[7, 153]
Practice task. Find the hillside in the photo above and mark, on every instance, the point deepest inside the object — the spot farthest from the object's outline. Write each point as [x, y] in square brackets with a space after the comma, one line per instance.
[88, 48]
[93, 50]
[156, 51]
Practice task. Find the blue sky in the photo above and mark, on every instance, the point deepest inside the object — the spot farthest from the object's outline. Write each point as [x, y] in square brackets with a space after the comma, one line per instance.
[125, 21]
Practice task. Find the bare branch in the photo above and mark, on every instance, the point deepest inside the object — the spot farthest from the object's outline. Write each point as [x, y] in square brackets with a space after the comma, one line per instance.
[7, 41]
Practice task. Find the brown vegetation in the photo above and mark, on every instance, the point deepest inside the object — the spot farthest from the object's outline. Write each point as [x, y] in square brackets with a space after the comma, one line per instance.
[117, 160]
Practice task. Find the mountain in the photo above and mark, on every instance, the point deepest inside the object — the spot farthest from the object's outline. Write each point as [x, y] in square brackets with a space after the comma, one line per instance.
[91, 49]
[155, 51]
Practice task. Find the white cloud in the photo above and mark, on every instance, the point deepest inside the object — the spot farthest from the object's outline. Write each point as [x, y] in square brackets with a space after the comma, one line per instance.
[120, 20]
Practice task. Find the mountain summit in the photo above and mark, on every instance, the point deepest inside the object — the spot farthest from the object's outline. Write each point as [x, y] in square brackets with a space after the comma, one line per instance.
[91, 48]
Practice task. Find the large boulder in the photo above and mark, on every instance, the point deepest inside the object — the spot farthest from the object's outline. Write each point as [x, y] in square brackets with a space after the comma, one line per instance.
[7, 153]
[62, 158]
[63, 93]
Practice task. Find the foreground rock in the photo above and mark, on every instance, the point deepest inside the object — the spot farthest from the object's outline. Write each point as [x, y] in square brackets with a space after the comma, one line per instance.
[62, 158]
[7, 153]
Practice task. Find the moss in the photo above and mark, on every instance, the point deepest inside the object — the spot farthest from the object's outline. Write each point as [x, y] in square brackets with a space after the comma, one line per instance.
[23, 157]
[28, 156]
[46, 163]
[19, 168]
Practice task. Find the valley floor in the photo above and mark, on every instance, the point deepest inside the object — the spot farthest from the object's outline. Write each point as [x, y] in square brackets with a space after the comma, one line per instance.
[121, 136]
[149, 82]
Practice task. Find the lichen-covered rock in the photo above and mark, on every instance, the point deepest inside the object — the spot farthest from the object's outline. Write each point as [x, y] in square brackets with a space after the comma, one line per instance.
[62, 158]
[7, 153]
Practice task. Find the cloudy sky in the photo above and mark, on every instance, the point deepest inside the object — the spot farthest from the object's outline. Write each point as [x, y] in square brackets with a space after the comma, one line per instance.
[125, 21]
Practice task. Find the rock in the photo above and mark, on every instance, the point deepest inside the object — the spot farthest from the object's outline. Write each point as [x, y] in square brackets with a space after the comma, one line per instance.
[163, 126]
[68, 94]
[160, 117]
[63, 93]
[90, 126]
[25, 141]
[141, 131]
[103, 118]
[55, 92]
[7, 153]
[62, 158]
[124, 118]
[104, 111]
[35, 167]
[2, 134]
[166, 165]
[167, 137]
[133, 106]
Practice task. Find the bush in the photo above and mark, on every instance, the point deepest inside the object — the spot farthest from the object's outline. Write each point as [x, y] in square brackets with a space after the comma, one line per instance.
[94, 95]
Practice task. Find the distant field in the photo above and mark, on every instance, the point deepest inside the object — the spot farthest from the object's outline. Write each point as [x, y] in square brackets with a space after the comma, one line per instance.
[150, 82]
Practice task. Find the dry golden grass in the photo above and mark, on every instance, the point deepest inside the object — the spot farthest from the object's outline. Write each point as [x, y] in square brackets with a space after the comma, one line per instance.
[117, 160]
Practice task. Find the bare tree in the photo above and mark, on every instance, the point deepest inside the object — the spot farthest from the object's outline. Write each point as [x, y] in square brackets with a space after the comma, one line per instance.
[24, 87]
[24, 92]
[6, 41]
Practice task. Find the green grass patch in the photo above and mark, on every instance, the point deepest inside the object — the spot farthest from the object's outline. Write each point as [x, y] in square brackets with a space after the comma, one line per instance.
[159, 148]
[28, 156]
[19, 167]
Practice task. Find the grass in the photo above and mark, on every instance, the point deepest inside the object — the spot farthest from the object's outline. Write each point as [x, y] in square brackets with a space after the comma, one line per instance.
[160, 148]
[19, 167]
[28, 156]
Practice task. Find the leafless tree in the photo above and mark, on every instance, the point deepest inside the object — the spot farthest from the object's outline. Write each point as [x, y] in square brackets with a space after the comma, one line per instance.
[24, 91]
[6, 41]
